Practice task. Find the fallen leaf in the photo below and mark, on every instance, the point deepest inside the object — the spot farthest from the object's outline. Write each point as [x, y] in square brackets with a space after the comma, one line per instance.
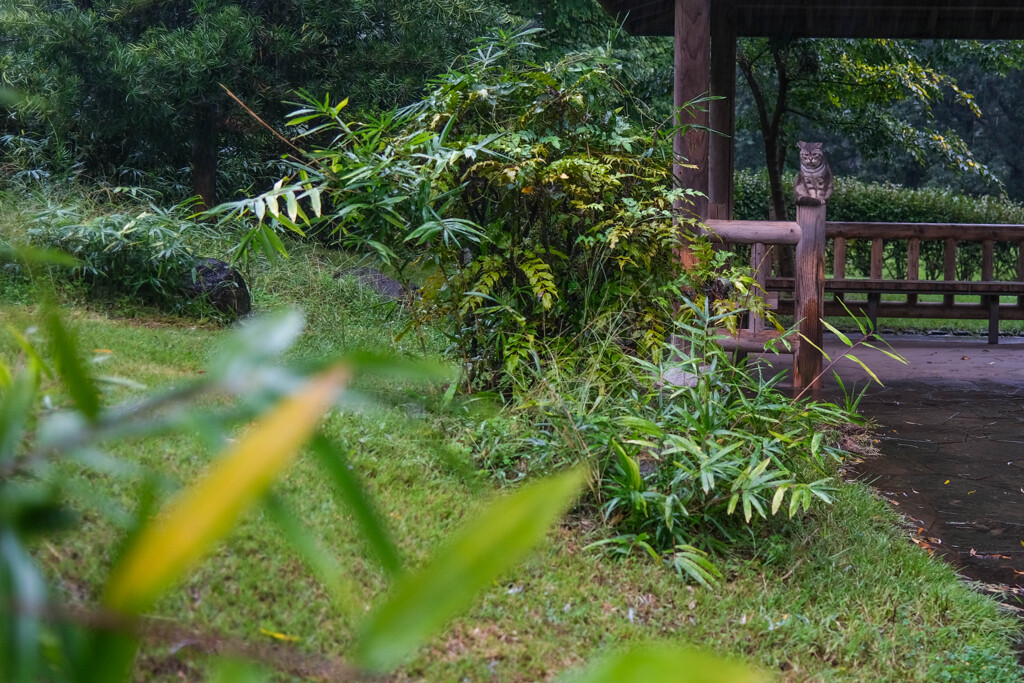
[970, 492]
[279, 636]
[965, 358]
[945, 482]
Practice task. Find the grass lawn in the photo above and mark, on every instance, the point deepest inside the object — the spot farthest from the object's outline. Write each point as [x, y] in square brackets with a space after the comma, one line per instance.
[837, 595]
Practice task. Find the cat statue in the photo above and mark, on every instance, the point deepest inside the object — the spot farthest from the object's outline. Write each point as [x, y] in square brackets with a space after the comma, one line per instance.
[814, 182]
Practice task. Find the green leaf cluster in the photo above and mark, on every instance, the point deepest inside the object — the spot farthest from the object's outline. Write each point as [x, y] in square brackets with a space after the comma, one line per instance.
[518, 192]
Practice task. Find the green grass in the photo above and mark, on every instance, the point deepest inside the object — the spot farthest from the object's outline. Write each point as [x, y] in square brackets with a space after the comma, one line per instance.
[838, 595]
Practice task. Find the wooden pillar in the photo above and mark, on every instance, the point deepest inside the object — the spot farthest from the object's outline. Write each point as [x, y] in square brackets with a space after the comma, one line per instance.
[723, 84]
[809, 294]
[692, 80]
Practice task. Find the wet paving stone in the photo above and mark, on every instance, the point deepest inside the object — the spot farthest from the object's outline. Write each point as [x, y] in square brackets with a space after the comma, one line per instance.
[952, 460]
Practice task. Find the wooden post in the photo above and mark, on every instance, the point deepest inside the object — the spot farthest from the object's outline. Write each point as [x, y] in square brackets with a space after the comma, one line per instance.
[812, 189]
[692, 79]
[810, 294]
[723, 84]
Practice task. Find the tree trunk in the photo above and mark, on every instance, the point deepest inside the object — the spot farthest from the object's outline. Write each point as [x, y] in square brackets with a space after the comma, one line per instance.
[775, 162]
[772, 134]
[205, 143]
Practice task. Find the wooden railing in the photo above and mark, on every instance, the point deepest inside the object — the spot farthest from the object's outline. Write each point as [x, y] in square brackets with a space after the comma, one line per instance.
[875, 285]
[808, 234]
[809, 285]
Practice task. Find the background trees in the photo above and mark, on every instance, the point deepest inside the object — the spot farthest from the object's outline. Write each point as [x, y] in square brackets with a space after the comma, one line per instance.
[133, 89]
[873, 98]
[130, 92]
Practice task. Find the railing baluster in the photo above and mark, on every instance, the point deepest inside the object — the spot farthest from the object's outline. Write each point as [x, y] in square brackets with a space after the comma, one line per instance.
[991, 301]
[1020, 269]
[876, 258]
[988, 260]
[913, 265]
[839, 259]
[874, 299]
[949, 268]
[839, 262]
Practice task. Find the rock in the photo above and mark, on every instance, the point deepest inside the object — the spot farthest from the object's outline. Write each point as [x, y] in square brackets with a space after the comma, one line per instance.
[375, 280]
[221, 285]
[677, 377]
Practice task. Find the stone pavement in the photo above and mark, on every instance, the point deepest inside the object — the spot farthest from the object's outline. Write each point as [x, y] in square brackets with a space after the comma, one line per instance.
[951, 432]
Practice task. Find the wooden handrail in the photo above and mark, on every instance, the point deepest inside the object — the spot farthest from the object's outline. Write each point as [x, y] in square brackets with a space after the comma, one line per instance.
[961, 287]
[754, 232]
[966, 232]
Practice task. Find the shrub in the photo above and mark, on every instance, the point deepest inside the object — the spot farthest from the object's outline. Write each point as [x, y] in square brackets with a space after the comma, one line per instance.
[148, 255]
[530, 205]
[681, 470]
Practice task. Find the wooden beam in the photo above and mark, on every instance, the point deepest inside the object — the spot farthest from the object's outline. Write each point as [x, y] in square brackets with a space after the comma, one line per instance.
[692, 80]
[723, 84]
[754, 342]
[752, 232]
[977, 19]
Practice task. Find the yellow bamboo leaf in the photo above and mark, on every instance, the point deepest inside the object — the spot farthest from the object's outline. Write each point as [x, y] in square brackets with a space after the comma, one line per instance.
[279, 636]
[207, 510]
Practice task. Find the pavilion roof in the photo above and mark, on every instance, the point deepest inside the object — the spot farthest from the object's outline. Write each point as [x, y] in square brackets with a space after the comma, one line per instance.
[978, 19]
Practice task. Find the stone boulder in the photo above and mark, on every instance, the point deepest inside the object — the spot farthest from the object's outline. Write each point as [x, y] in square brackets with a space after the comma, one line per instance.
[373, 279]
[221, 285]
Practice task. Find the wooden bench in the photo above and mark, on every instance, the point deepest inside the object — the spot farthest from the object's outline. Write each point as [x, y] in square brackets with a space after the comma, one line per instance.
[874, 286]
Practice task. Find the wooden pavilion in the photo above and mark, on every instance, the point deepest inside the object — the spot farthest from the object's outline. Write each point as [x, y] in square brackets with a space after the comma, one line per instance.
[705, 63]
[705, 46]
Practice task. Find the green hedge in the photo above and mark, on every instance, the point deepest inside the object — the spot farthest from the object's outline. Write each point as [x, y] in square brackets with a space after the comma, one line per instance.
[855, 200]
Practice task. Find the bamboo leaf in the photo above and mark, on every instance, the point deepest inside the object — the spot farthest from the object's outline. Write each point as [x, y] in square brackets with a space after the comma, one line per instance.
[208, 509]
[664, 663]
[423, 602]
[69, 366]
[22, 586]
[348, 487]
[780, 493]
[859, 362]
[842, 337]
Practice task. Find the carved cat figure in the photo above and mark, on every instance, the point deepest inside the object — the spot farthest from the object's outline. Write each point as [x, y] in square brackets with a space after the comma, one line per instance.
[814, 182]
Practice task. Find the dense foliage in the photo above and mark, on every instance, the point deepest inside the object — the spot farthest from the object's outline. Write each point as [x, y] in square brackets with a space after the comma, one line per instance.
[149, 254]
[133, 92]
[691, 454]
[534, 211]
